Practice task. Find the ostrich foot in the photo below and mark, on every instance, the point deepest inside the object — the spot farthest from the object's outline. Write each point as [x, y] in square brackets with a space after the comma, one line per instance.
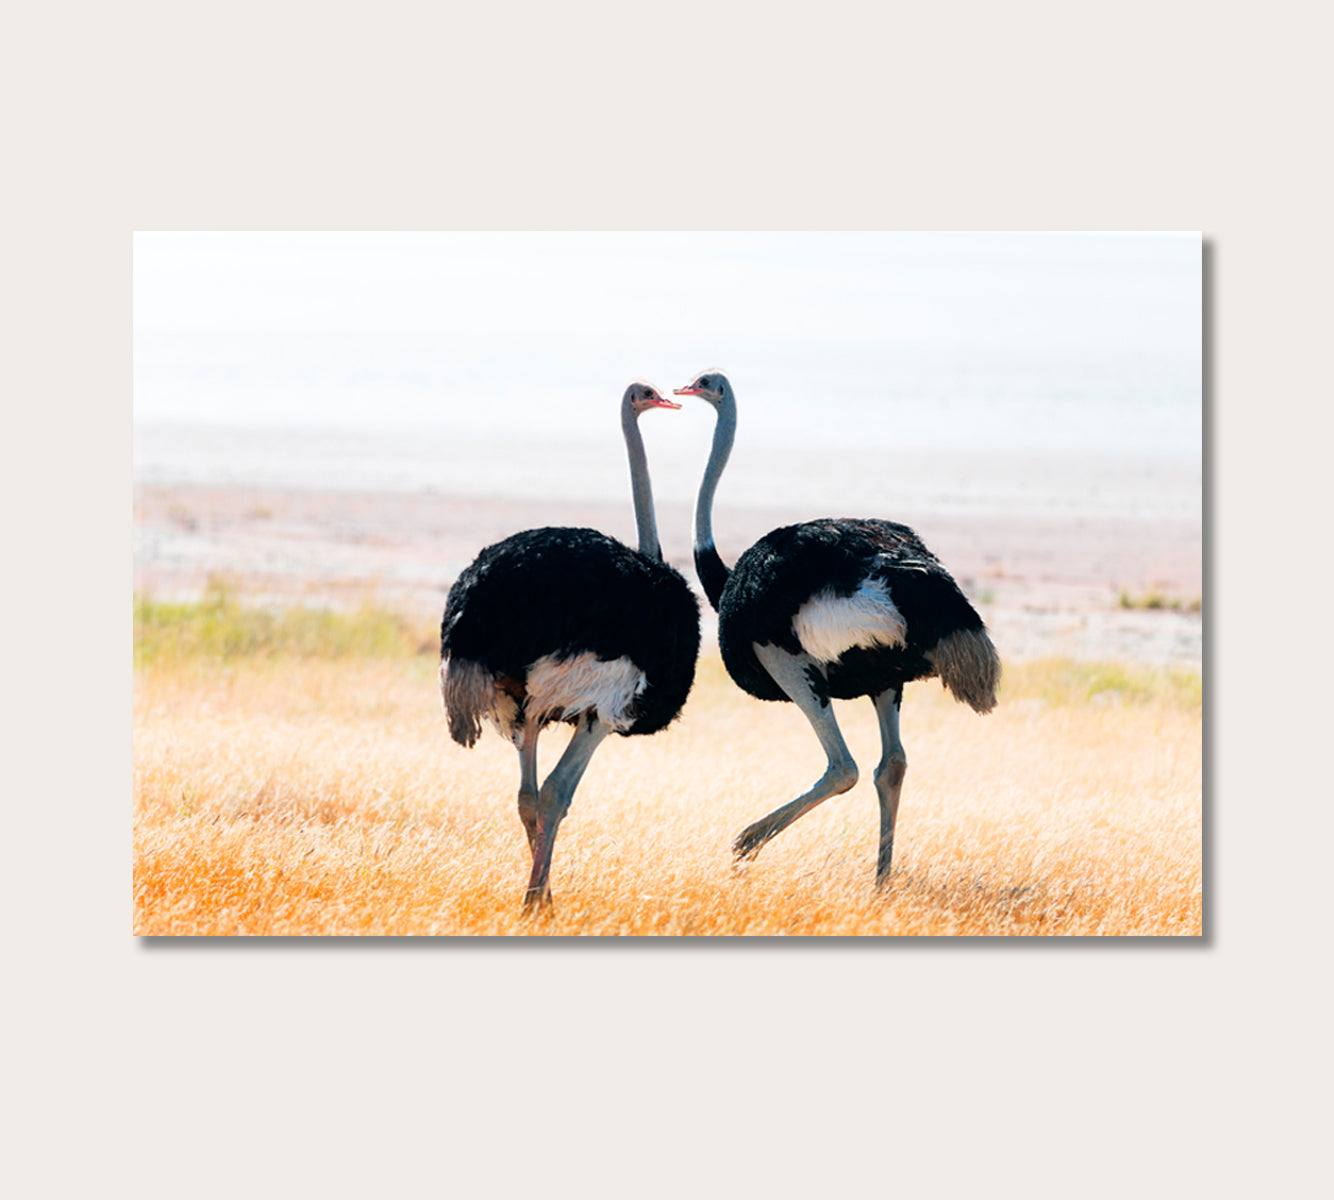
[536, 902]
[748, 842]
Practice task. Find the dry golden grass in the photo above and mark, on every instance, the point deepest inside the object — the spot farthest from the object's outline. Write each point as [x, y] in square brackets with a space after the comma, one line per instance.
[307, 796]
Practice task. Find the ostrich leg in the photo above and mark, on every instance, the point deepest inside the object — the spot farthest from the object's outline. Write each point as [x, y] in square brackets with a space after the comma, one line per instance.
[553, 802]
[889, 774]
[801, 678]
[526, 743]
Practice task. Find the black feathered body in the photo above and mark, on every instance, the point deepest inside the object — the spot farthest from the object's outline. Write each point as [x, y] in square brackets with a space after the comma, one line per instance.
[561, 593]
[787, 567]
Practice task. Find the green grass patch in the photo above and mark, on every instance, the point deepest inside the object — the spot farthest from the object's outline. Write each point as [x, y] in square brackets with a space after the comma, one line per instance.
[220, 627]
[1159, 602]
[1063, 681]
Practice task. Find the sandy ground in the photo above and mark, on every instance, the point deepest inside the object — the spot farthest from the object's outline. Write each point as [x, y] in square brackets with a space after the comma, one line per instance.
[1047, 583]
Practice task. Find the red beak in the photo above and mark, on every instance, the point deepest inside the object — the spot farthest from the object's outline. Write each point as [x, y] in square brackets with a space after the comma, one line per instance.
[663, 402]
[692, 390]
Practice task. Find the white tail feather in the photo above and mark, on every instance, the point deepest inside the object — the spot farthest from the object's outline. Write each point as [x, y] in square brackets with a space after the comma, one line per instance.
[562, 687]
[557, 688]
[828, 625]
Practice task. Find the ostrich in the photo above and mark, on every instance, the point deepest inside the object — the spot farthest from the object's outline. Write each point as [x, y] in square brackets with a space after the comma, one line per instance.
[835, 608]
[569, 625]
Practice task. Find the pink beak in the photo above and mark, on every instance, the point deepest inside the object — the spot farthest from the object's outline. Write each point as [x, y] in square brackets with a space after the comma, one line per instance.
[663, 402]
[692, 390]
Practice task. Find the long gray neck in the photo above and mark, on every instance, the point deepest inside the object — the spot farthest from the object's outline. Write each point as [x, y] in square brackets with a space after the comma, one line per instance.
[708, 565]
[724, 433]
[641, 489]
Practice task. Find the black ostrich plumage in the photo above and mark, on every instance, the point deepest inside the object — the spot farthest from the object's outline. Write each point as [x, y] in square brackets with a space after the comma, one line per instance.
[786, 567]
[569, 591]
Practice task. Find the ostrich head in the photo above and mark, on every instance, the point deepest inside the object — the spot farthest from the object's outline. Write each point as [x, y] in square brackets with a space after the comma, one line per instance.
[712, 386]
[640, 396]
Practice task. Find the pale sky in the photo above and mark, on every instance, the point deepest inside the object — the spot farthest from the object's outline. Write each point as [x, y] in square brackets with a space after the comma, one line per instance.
[1025, 342]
